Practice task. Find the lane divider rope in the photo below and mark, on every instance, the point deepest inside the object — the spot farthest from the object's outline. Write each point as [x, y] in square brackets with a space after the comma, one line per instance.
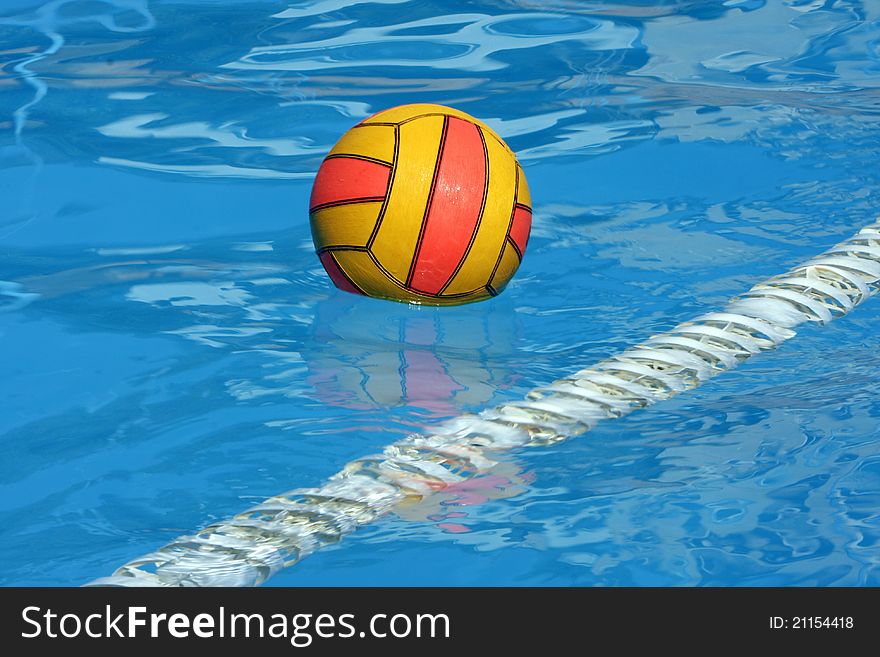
[250, 547]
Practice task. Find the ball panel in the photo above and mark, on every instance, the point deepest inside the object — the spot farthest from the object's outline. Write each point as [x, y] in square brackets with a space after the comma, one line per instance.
[520, 228]
[488, 243]
[336, 274]
[375, 141]
[395, 239]
[360, 266]
[345, 180]
[344, 225]
[455, 207]
[506, 268]
[522, 192]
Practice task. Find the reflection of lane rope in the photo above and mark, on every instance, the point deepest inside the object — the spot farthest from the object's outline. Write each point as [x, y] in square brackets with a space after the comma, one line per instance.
[250, 547]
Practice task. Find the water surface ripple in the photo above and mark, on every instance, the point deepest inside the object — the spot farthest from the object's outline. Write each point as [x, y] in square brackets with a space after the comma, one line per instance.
[172, 351]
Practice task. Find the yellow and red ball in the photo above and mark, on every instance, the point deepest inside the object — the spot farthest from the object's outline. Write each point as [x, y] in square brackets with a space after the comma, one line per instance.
[421, 204]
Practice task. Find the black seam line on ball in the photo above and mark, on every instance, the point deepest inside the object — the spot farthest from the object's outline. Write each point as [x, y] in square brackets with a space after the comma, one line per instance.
[356, 156]
[347, 277]
[384, 271]
[345, 201]
[340, 247]
[509, 225]
[397, 283]
[515, 247]
[428, 202]
[391, 177]
[476, 230]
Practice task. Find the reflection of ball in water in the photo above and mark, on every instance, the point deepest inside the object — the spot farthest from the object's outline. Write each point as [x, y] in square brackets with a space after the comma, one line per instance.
[423, 204]
[362, 357]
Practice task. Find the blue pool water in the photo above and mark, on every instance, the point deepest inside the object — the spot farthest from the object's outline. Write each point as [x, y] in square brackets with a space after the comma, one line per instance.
[171, 351]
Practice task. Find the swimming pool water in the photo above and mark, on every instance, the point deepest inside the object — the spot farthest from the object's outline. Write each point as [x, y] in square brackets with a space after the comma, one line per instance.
[171, 351]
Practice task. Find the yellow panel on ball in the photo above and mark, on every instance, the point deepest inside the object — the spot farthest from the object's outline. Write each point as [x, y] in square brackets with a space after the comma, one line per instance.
[522, 192]
[361, 268]
[421, 204]
[398, 232]
[506, 267]
[350, 224]
[370, 141]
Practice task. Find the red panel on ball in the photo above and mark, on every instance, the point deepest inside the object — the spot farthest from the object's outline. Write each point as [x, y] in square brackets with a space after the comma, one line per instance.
[453, 208]
[339, 279]
[346, 179]
[519, 230]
